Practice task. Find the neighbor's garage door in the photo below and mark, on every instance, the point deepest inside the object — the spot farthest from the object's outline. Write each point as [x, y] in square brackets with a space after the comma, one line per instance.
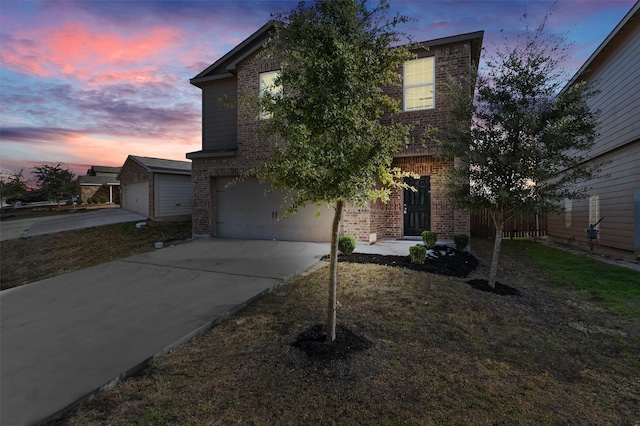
[136, 197]
[173, 195]
[243, 210]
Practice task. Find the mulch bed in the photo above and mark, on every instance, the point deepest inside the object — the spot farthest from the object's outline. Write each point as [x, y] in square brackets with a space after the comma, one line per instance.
[441, 260]
[313, 342]
[499, 289]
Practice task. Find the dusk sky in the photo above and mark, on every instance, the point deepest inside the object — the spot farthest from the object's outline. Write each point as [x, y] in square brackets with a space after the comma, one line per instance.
[90, 82]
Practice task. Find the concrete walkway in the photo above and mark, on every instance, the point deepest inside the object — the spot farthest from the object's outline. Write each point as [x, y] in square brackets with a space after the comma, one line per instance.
[12, 229]
[67, 337]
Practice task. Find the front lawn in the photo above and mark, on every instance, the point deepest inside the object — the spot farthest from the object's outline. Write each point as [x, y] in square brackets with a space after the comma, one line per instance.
[616, 289]
[25, 260]
[440, 353]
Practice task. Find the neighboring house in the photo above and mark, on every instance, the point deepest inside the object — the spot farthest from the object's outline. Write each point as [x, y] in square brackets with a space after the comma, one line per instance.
[613, 69]
[232, 144]
[100, 182]
[157, 188]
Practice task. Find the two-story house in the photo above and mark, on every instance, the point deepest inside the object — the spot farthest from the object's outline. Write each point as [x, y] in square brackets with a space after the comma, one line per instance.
[614, 70]
[232, 144]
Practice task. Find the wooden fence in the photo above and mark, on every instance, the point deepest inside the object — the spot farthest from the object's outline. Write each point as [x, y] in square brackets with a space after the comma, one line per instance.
[530, 225]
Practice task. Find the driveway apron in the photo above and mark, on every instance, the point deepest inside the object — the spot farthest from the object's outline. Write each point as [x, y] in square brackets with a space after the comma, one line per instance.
[67, 337]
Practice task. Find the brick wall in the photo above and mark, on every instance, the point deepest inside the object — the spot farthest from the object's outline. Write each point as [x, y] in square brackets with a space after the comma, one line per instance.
[253, 146]
[383, 220]
[89, 191]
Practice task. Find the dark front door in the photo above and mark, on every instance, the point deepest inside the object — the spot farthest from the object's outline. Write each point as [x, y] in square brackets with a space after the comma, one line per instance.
[417, 206]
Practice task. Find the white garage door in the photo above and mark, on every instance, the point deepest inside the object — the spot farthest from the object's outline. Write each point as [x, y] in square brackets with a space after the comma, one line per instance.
[136, 197]
[173, 195]
[243, 210]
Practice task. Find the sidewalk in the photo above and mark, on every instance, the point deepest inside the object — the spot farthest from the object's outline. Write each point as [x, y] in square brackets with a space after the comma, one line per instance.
[67, 337]
[13, 229]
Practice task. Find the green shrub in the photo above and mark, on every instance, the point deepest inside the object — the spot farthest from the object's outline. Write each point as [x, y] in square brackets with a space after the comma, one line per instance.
[430, 238]
[418, 254]
[103, 200]
[346, 244]
[461, 241]
[69, 203]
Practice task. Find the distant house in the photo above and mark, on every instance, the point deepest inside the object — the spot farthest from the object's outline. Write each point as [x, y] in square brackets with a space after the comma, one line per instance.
[614, 69]
[100, 182]
[157, 188]
[232, 144]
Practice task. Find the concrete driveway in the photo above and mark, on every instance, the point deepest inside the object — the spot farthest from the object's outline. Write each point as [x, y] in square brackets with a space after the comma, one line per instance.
[12, 229]
[67, 337]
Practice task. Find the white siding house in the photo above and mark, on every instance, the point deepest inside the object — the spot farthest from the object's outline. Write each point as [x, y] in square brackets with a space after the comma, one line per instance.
[613, 69]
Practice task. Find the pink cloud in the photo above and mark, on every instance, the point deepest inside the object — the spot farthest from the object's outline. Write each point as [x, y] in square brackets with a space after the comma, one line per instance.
[90, 54]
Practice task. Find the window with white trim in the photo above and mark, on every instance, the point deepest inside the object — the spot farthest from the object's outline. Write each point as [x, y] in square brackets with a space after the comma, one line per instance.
[268, 85]
[418, 84]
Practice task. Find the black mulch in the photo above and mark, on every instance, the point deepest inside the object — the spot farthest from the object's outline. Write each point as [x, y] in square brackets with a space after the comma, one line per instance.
[444, 261]
[500, 289]
[313, 342]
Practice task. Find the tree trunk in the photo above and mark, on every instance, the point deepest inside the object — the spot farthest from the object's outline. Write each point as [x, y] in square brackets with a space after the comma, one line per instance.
[333, 272]
[493, 271]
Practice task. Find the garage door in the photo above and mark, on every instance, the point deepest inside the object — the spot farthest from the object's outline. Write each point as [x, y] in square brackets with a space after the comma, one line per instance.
[173, 195]
[243, 210]
[136, 197]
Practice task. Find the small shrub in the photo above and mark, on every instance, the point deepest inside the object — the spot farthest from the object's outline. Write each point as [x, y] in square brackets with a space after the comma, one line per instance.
[430, 238]
[461, 241]
[69, 203]
[418, 254]
[103, 200]
[346, 244]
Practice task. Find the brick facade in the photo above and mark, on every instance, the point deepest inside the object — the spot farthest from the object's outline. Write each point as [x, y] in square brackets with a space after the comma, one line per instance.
[374, 221]
[98, 191]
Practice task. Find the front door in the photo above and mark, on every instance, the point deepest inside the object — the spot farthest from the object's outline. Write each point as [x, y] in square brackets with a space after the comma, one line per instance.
[417, 206]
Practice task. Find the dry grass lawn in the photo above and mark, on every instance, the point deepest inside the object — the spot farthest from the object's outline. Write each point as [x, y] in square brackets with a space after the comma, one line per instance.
[442, 354]
[35, 258]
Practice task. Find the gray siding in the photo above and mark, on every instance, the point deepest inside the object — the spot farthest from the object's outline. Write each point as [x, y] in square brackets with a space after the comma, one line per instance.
[618, 80]
[219, 121]
[615, 73]
[613, 199]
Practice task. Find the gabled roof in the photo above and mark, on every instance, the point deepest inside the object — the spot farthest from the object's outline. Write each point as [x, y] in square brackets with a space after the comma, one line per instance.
[631, 20]
[103, 169]
[225, 67]
[159, 165]
[475, 38]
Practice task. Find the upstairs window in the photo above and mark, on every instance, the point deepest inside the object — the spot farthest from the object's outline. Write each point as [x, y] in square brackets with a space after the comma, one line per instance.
[419, 83]
[268, 85]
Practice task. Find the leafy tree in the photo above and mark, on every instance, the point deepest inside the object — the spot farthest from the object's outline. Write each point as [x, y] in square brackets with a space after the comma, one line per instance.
[14, 187]
[336, 58]
[521, 153]
[55, 181]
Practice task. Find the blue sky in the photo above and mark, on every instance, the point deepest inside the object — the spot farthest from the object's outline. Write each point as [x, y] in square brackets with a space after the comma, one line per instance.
[90, 82]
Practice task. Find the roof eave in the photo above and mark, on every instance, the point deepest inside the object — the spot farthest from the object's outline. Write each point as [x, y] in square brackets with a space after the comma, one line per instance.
[238, 49]
[603, 45]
